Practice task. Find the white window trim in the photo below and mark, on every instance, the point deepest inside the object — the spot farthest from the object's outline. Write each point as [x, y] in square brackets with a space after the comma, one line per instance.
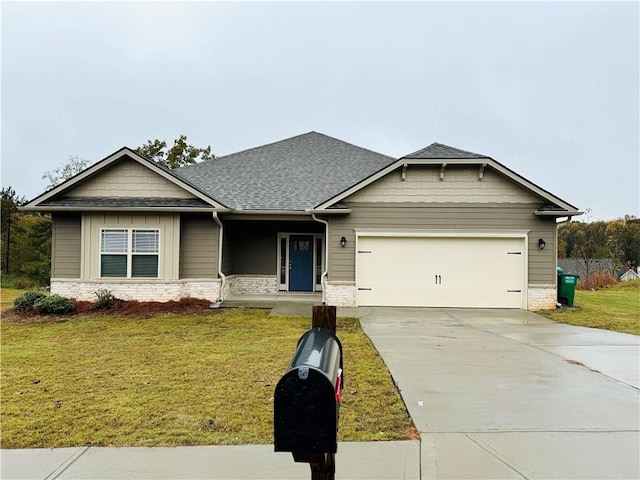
[129, 253]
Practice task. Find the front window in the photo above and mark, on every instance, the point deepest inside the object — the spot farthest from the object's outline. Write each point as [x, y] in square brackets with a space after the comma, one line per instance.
[129, 253]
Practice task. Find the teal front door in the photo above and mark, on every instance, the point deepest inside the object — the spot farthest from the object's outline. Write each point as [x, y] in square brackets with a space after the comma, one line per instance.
[301, 263]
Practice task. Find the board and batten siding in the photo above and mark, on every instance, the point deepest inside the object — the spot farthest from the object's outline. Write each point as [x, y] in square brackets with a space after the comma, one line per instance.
[127, 178]
[198, 246]
[66, 245]
[167, 223]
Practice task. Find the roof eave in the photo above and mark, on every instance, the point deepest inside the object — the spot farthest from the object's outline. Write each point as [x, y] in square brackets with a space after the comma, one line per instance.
[76, 208]
[308, 211]
[557, 213]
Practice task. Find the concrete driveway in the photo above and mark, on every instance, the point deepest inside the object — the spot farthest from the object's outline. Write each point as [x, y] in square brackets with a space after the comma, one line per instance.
[510, 394]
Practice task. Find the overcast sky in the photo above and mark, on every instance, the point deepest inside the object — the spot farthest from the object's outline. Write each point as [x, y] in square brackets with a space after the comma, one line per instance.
[551, 90]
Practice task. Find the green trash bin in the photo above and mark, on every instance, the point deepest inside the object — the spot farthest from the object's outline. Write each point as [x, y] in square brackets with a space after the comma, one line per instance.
[567, 288]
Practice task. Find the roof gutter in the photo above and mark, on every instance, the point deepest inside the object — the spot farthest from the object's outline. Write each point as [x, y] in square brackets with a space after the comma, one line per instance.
[223, 278]
[557, 213]
[310, 211]
[323, 278]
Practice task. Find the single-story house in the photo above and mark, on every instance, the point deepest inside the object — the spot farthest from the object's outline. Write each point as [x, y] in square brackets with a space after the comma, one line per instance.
[440, 227]
[629, 275]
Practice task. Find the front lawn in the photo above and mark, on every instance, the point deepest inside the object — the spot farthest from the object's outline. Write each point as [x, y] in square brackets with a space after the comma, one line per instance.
[612, 308]
[7, 296]
[174, 380]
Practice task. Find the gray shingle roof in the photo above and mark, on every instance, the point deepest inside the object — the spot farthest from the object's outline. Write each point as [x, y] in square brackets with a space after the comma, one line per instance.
[439, 150]
[293, 174]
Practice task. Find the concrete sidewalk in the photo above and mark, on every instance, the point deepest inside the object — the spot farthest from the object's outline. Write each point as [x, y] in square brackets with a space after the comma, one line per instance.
[371, 460]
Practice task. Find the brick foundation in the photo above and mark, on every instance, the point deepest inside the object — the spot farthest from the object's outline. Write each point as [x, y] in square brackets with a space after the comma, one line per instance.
[149, 291]
[341, 294]
[250, 285]
[541, 297]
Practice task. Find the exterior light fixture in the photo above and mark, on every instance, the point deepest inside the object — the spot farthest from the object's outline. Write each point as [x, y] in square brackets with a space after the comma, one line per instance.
[343, 242]
[541, 244]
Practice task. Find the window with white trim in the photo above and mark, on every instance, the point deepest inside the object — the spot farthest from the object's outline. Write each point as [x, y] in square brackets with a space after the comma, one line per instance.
[129, 252]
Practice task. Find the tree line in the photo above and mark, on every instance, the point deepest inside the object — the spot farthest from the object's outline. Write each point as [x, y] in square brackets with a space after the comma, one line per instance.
[25, 237]
[618, 240]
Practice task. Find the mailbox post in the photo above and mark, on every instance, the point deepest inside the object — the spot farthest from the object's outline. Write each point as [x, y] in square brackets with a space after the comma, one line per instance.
[307, 397]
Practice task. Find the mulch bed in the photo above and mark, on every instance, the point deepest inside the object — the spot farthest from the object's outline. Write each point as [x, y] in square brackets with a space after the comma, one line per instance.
[124, 308]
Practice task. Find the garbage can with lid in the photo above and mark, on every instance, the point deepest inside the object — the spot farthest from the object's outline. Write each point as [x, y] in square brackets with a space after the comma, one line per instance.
[567, 288]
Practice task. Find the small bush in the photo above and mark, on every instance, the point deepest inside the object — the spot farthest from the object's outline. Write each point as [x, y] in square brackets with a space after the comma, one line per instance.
[596, 281]
[27, 301]
[105, 301]
[54, 305]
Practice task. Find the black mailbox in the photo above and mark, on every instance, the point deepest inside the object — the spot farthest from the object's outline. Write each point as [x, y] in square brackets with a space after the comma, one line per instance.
[307, 397]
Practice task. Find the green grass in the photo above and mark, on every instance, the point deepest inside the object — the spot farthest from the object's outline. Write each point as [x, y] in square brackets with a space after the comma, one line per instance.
[7, 296]
[174, 380]
[614, 308]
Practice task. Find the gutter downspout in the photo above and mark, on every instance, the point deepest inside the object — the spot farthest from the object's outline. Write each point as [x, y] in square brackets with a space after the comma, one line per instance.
[558, 223]
[323, 278]
[220, 238]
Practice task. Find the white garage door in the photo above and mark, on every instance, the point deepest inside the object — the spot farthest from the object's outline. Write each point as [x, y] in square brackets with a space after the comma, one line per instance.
[440, 272]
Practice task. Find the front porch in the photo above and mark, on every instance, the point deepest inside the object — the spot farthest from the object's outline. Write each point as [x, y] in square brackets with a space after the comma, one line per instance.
[285, 304]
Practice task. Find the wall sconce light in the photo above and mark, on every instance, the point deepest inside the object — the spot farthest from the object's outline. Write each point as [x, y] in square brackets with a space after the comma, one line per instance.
[541, 244]
[343, 242]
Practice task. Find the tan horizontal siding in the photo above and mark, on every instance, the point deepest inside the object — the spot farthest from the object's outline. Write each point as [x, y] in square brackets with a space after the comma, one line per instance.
[128, 178]
[412, 216]
[459, 184]
[65, 245]
[198, 247]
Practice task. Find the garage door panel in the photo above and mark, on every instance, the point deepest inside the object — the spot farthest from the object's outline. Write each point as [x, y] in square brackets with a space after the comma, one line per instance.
[443, 272]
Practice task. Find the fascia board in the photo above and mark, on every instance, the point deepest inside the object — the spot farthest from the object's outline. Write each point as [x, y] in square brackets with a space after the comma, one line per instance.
[104, 163]
[442, 233]
[557, 213]
[27, 208]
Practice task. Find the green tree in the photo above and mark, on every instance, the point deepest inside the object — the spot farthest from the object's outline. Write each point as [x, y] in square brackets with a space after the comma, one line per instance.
[179, 155]
[32, 248]
[570, 235]
[623, 237]
[10, 201]
[73, 166]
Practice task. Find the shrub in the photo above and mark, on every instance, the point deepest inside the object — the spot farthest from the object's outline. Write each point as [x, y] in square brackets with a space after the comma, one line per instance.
[105, 301]
[55, 304]
[596, 281]
[27, 301]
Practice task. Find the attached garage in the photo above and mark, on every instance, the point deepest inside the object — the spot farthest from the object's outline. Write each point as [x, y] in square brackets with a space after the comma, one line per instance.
[437, 270]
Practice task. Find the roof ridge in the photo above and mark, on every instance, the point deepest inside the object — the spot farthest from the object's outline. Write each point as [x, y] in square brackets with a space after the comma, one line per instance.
[265, 145]
[454, 150]
[312, 132]
[354, 145]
